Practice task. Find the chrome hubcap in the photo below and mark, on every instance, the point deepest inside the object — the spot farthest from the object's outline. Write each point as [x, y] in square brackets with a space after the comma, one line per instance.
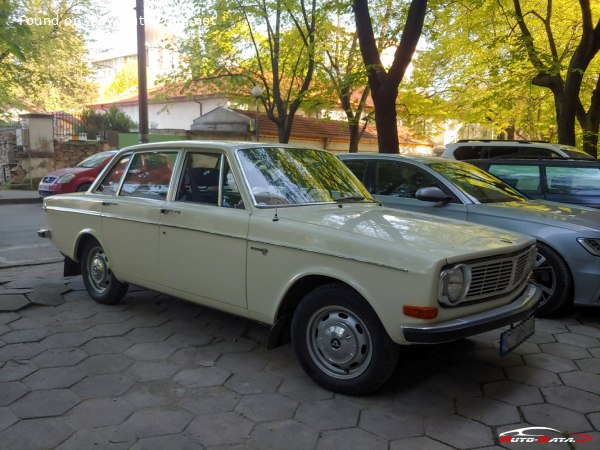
[339, 342]
[99, 270]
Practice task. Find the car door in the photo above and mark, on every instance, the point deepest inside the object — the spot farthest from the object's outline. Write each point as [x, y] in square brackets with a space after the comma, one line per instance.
[131, 213]
[395, 184]
[203, 233]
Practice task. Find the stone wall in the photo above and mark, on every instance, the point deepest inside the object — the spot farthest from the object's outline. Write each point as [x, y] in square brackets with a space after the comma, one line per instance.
[8, 150]
[69, 153]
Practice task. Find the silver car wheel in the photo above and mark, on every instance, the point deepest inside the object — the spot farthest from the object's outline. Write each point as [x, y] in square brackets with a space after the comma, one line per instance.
[339, 342]
[98, 272]
[544, 277]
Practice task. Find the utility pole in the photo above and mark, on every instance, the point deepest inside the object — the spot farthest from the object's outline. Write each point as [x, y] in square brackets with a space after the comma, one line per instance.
[141, 60]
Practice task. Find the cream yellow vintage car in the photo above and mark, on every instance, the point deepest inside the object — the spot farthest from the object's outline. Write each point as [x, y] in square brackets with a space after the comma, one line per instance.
[288, 237]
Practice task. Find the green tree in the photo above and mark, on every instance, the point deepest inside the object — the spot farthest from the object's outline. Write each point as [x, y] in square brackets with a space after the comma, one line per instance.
[125, 81]
[94, 122]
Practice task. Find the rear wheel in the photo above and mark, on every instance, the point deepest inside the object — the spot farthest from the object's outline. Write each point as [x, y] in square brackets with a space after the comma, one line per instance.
[340, 342]
[552, 275]
[99, 280]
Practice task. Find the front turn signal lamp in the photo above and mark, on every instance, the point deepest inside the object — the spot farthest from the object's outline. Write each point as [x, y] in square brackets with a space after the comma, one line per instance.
[420, 312]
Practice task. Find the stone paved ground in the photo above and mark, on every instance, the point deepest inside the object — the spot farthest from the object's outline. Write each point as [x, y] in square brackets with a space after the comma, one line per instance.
[159, 373]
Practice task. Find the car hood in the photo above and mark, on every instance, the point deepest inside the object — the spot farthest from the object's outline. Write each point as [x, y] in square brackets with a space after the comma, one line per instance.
[61, 172]
[360, 230]
[543, 212]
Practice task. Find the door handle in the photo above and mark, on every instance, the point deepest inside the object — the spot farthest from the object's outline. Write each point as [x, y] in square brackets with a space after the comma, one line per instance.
[167, 211]
[105, 203]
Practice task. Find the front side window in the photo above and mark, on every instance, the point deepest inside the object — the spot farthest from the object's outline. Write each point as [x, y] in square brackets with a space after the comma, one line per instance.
[401, 180]
[297, 176]
[477, 184]
[573, 180]
[110, 183]
[149, 175]
[526, 178]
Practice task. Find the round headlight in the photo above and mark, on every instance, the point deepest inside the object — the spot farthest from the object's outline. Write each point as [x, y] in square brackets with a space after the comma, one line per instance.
[454, 284]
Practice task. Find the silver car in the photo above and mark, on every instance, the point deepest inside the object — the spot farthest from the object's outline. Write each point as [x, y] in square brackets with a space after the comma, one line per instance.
[568, 261]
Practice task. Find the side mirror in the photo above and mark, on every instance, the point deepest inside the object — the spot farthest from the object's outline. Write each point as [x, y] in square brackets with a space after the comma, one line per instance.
[432, 194]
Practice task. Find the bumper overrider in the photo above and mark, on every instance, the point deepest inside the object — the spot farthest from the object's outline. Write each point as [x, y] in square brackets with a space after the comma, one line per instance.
[518, 310]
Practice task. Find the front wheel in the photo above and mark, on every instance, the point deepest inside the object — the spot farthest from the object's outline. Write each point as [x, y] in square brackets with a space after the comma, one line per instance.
[340, 342]
[99, 280]
[552, 275]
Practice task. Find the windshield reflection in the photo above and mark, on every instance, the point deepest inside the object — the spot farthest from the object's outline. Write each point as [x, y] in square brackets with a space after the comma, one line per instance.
[293, 176]
[479, 185]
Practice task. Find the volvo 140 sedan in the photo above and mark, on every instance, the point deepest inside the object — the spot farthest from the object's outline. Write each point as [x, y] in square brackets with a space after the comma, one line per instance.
[290, 238]
[567, 267]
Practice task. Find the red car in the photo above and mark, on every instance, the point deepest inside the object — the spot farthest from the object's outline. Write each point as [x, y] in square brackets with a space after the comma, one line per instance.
[75, 179]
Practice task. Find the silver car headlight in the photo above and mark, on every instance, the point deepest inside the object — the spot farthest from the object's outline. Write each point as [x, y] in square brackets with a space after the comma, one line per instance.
[591, 245]
[454, 284]
[65, 178]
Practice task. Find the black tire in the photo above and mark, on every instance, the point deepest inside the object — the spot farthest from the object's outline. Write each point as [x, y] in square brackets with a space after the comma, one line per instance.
[84, 187]
[100, 282]
[552, 275]
[359, 358]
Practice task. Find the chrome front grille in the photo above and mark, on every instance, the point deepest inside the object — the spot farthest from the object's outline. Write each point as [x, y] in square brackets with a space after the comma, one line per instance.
[49, 180]
[494, 277]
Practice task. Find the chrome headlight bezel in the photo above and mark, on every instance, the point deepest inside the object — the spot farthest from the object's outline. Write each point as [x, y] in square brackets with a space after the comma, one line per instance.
[592, 245]
[454, 285]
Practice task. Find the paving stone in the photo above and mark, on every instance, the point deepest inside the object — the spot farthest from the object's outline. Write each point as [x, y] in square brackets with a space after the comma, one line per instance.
[303, 389]
[591, 365]
[194, 338]
[582, 380]
[110, 329]
[102, 364]
[533, 376]
[595, 420]
[54, 378]
[9, 317]
[220, 429]
[541, 337]
[26, 323]
[285, 368]
[14, 291]
[478, 371]
[35, 434]
[513, 393]
[152, 370]
[46, 298]
[54, 402]
[527, 348]
[156, 393]
[107, 345]
[488, 411]
[253, 382]
[7, 418]
[585, 330]
[69, 339]
[174, 441]
[263, 407]
[595, 352]
[418, 443]
[420, 402]
[11, 391]
[22, 336]
[202, 377]
[100, 412]
[493, 357]
[232, 345]
[459, 432]
[74, 314]
[353, 438]
[243, 362]
[554, 416]
[550, 363]
[13, 302]
[105, 438]
[571, 398]
[150, 351]
[389, 425]
[578, 340]
[552, 326]
[16, 370]
[149, 334]
[28, 350]
[211, 400]
[109, 385]
[156, 422]
[565, 351]
[452, 386]
[285, 434]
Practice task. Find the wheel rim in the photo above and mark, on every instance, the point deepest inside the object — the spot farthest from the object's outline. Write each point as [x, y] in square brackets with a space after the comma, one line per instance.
[99, 273]
[339, 343]
[544, 277]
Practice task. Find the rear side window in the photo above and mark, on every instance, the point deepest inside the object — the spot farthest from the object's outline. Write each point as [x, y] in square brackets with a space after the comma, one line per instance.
[537, 152]
[358, 168]
[524, 178]
[468, 152]
[573, 180]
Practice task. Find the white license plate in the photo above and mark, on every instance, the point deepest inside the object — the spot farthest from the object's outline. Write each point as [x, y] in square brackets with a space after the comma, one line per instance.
[44, 187]
[516, 335]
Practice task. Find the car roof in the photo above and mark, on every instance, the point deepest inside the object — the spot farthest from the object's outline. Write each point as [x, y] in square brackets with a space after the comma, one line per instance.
[394, 156]
[222, 145]
[537, 162]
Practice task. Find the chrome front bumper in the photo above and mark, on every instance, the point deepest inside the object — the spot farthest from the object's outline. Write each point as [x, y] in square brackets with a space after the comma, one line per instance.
[44, 233]
[520, 309]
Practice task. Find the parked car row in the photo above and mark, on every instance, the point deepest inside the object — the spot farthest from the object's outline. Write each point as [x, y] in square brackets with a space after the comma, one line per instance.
[290, 238]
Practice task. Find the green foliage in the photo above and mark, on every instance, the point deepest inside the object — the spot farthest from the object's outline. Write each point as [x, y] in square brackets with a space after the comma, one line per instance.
[125, 81]
[95, 122]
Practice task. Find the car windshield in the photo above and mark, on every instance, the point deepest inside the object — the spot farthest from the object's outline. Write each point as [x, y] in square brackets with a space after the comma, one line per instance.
[575, 153]
[479, 185]
[297, 176]
[94, 160]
